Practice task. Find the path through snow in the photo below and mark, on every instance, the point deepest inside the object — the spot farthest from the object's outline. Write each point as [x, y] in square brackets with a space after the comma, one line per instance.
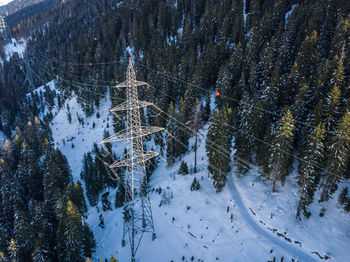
[288, 247]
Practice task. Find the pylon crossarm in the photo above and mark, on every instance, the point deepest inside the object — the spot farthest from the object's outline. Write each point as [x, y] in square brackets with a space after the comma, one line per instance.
[126, 134]
[126, 84]
[126, 106]
[127, 162]
[116, 116]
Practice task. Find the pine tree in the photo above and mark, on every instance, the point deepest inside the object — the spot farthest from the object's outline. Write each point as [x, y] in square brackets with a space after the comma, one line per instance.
[29, 173]
[207, 110]
[74, 192]
[89, 243]
[171, 128]
[24, 235]
[299, 107]
[195, 186]
[339, 156]
[113, 259]
[195, 123]
[12, 249]
[181, 133]
[309, 175]
[183, 170]
[282, 145]
[312, 121]
[106, 205]
[244, 144]
[308, 59]
[45, 235]
[92, 180]
[332, 109]
[224, 87]
[218, 147]
[69, 237]
[120, 196]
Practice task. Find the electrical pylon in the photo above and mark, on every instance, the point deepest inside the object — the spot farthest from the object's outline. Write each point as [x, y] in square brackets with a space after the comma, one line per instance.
[3, 27]
[137, 210]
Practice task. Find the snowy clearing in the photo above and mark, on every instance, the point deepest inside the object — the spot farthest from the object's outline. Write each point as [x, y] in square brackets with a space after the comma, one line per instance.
[244, 222]
[15, 47]
[5, 2]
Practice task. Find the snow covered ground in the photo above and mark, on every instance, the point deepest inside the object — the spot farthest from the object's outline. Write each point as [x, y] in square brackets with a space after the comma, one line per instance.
[15, 46]
[5, 2]
[199, 223]
[74, 139]
[289, 13]
[245, 222]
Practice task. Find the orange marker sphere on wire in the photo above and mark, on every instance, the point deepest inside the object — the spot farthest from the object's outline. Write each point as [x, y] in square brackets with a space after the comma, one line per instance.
[217, 93]
[129, 57]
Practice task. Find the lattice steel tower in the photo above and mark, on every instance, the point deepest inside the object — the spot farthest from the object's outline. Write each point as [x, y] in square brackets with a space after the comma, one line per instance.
[3, 27]
[137, 210]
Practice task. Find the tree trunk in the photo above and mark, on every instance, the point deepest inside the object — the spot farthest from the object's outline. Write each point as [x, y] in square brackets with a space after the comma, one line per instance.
[276, 174]
[195, 155]
[301, 198]
[325, 189]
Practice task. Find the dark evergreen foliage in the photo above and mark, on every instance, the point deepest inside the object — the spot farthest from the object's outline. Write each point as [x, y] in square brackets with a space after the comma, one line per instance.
[258, 58]
[183, 170]
[41, 210]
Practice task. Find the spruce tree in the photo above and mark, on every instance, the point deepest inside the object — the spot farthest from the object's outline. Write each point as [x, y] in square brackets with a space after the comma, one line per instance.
[88, 241]
[338, 158]
[332, 109]
[281, 149]
[93, 182]
[119, 196]
[74, 192]
[244, 144]
[218, 147]
[195, 123]
[309, 175]
[181, 133]
[69, 234]
[171, 128]
[12, 250]
[183, 170]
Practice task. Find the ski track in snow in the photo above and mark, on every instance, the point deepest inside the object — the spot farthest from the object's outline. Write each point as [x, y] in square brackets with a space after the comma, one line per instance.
[258, 229]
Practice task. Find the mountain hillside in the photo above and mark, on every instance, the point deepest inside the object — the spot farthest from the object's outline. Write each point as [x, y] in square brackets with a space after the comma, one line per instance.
[253, 97]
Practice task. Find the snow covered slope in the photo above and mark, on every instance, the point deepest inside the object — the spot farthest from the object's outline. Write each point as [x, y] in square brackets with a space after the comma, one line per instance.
[5, 2]
[245, 222]
[15, 47]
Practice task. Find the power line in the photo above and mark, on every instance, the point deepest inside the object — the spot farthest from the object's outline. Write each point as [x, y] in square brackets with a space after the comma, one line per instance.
[229, 98]
[260, 140]
[267, 111]
[298, 158]
[73, 63]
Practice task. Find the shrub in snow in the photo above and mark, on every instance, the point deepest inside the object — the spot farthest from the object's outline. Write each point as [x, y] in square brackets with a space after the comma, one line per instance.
[183, 170]
[106, 205]
[119, 196]
[344, 200]
[195, 185]
[167, 195]
[102, 222]
[323, 210]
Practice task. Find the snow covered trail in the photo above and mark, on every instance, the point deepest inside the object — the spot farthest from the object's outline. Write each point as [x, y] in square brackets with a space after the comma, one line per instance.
[294, 251]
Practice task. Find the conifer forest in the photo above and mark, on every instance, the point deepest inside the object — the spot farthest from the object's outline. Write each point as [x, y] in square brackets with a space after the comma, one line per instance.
[174, 130]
